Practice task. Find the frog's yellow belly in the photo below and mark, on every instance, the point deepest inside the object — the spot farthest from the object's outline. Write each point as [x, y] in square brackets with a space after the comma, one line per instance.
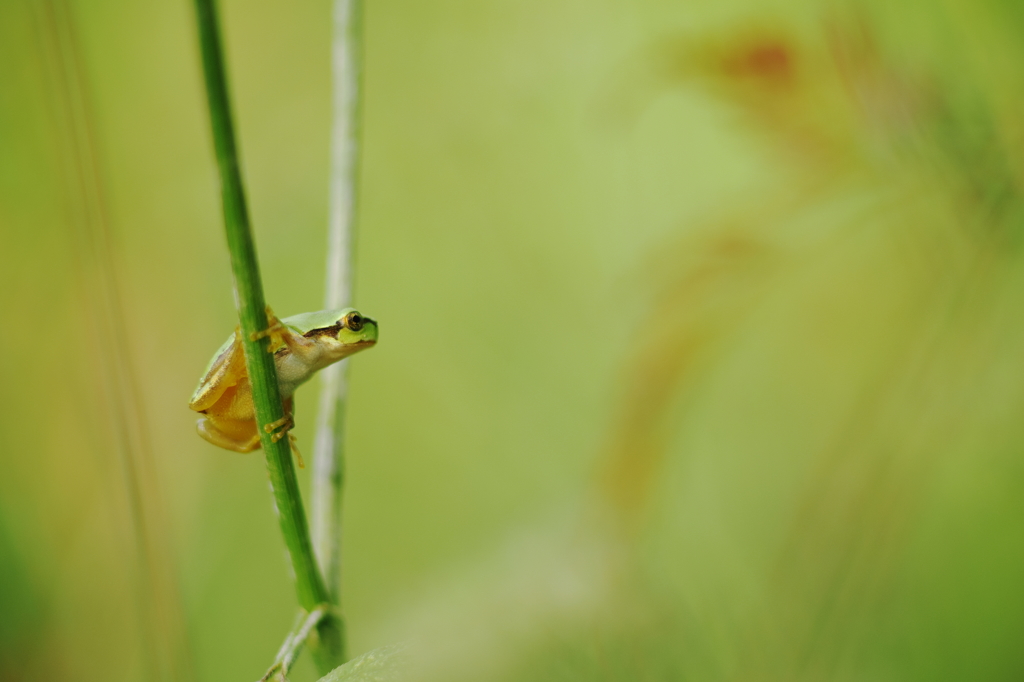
[234, 404]
[231, 422]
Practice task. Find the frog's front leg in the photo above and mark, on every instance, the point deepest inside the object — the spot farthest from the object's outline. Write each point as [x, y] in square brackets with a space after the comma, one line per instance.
[274, 329]
[281, 335]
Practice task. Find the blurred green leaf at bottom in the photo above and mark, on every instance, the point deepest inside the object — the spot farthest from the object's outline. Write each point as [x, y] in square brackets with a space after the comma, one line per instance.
[384, 664]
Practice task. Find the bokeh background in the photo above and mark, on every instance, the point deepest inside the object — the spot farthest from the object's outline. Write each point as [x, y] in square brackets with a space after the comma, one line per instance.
[700, 344]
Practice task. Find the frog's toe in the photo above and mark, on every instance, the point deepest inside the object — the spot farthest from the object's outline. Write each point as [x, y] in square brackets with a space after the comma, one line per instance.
[285, 424]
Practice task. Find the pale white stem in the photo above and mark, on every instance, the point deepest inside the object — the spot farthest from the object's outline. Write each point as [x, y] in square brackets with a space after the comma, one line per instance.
[294, 642]
[328, 457]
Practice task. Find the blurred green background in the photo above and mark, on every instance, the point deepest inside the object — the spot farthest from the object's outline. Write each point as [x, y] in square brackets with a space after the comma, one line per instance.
[700, 339]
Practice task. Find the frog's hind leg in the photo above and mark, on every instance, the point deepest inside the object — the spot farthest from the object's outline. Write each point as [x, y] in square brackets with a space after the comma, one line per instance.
[237, 435]
[283, 427]
[285, 424]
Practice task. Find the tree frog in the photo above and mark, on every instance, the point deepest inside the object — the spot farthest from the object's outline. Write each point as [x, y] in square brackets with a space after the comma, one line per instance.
[302, 345]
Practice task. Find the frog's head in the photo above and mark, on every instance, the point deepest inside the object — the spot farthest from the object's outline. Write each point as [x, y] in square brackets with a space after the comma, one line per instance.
[351, 333]
[339, 333]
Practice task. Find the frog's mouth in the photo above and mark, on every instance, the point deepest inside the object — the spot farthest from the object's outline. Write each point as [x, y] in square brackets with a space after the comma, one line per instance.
[341, 352]
[351, 348]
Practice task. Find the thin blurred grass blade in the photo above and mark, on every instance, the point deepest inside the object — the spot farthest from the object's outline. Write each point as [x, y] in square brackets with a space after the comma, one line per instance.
[164, 635]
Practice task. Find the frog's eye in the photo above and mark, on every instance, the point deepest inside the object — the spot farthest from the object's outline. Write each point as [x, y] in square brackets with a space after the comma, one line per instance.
[353, 321]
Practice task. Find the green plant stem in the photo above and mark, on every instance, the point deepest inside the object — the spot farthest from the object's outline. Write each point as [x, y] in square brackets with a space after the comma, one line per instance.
[259, 362]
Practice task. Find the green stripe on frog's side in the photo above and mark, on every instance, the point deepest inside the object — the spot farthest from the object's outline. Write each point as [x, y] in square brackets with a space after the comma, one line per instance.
[307, 322]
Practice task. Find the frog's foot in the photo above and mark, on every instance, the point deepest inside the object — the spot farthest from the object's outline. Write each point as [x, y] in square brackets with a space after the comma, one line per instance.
[276, 327]
[285, 424]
